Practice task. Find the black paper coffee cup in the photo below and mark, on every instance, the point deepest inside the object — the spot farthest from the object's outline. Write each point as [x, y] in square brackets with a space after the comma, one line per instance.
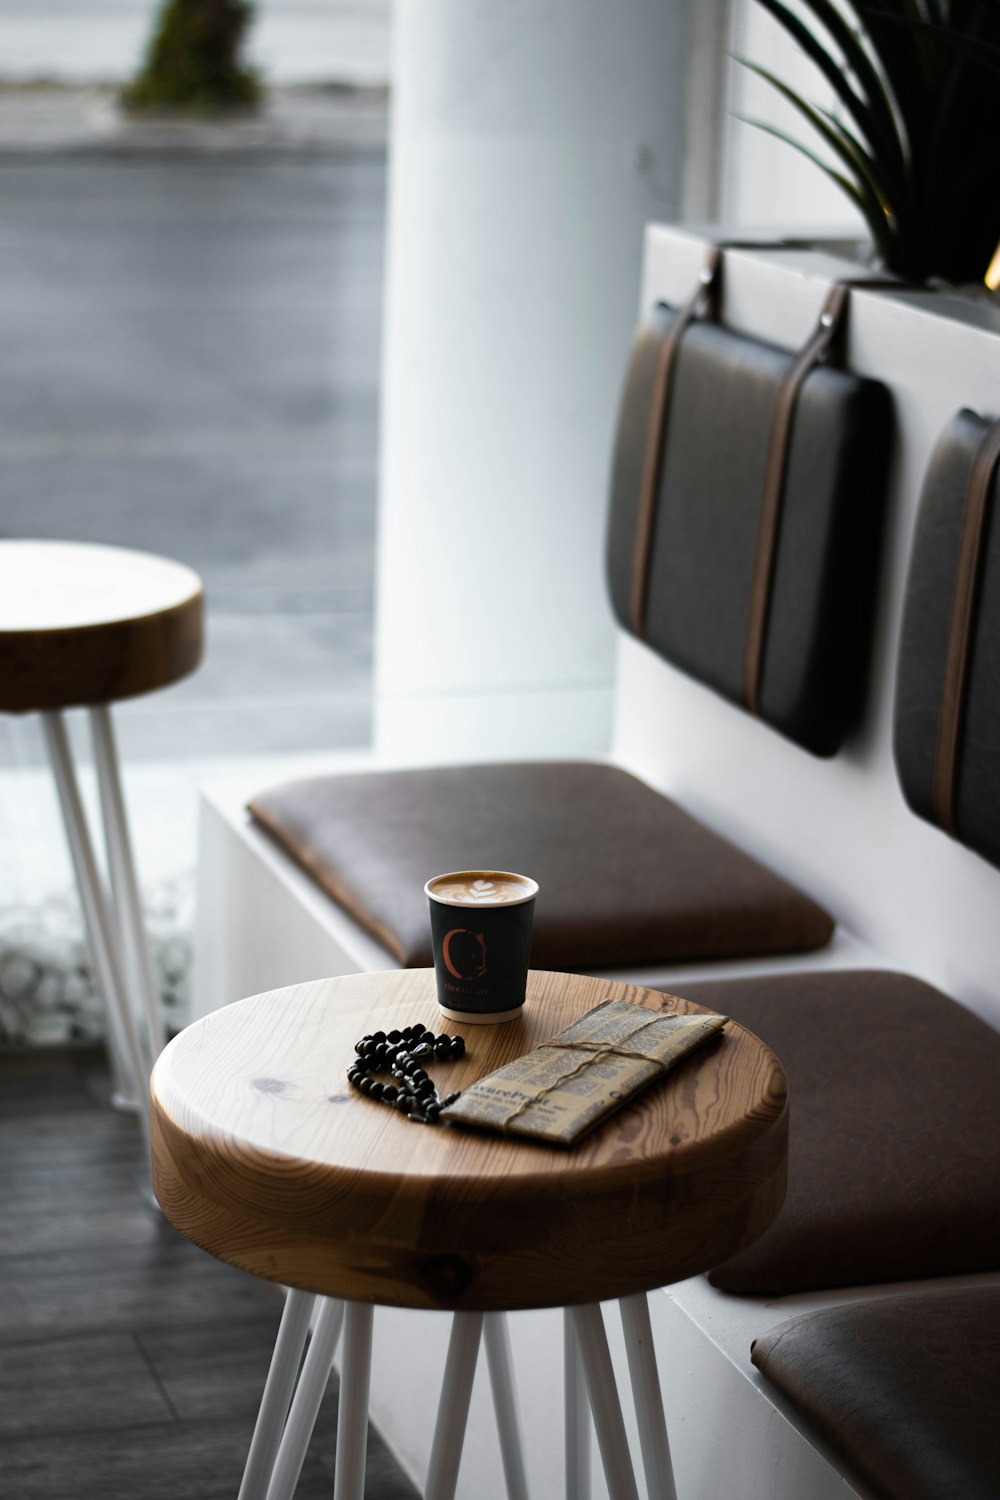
[481, 936]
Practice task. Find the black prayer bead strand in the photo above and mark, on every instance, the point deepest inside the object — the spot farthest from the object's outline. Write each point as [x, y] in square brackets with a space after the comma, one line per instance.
[399, 1053]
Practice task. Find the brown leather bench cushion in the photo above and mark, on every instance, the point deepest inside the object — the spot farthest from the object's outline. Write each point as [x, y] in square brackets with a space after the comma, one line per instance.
[626, 877]
[705, 536]
[906, 1389]
[923, 665]
[894, 1131]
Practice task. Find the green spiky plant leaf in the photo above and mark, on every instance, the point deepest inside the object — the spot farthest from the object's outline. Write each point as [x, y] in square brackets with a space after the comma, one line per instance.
[193, 64]
[915, 135]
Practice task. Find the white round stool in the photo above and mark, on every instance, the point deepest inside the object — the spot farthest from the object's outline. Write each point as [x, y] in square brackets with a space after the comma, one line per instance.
[87, 625]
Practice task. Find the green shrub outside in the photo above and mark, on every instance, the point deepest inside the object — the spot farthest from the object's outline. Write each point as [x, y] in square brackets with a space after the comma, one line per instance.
[193, 65]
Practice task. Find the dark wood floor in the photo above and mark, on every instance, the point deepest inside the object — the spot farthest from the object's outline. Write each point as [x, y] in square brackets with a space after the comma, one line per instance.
[131, 1363]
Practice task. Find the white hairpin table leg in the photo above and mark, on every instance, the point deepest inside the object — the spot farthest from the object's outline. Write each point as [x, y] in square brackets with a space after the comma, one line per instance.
[453, 1410]
[352, 1413]
[306, 1403]
[277, 1396]
[124, 885]
[505, 1404]
[604, 1403]
[648, 1398]
[97, 916]
[577, 1415]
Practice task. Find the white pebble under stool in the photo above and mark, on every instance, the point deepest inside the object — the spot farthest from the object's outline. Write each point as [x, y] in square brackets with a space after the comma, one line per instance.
[264, 1156]
[84, 625]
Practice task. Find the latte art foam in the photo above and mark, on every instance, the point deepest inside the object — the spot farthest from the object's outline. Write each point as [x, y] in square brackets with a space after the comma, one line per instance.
[481, 888]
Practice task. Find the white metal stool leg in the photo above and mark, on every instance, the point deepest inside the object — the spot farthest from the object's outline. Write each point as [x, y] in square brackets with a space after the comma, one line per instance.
[577, 1415]
[453, 1410]
[100, 929]
[124, 885]
[277, 1396]
[604, 1403]
[123, 1095]
[505, 1404]
[352, 1413]
[306, 1403]
[648, 1398]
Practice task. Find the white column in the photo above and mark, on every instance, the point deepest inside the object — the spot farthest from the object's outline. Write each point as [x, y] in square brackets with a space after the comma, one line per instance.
[530, 143]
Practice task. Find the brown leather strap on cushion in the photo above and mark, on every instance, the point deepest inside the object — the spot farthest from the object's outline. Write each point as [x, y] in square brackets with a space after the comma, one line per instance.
[696, 456]
[816, 350]
[819, 349]
[703, 303]
[977, 501]
[700, 303]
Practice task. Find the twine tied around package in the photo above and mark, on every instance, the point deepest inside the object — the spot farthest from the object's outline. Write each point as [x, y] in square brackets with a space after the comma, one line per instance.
[599, 1050]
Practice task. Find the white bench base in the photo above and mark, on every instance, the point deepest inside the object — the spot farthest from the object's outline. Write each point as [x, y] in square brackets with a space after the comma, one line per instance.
[262, 923]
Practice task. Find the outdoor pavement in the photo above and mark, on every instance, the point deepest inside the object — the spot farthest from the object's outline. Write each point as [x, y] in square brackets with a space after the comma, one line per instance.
[85, 119]
[192, 340]
[191, 322]
[192, 366]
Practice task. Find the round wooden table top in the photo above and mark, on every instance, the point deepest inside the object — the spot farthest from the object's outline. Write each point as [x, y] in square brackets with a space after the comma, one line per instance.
[263, 1155]
[82, 623]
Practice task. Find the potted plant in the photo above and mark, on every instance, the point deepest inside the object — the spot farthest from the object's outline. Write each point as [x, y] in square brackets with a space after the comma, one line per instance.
[916, 140]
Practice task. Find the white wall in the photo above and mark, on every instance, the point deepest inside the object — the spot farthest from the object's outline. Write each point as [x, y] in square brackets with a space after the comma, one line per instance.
[530, 142]
[839, 828]
[766, 182]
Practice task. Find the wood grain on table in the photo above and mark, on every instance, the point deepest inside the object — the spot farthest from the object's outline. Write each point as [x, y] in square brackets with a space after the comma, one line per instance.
[264, 1156]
